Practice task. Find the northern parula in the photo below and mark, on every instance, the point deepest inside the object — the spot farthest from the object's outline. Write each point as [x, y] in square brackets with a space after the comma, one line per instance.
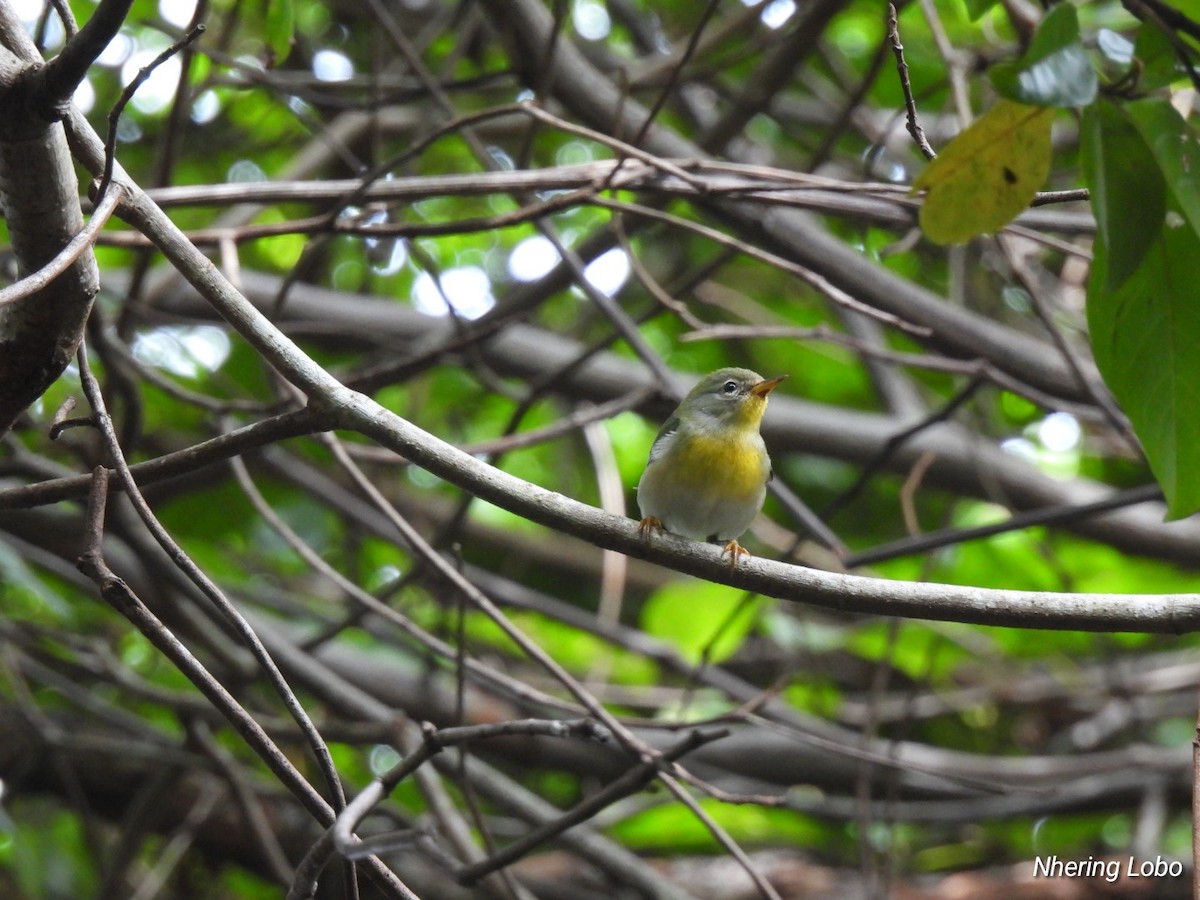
[708, 469]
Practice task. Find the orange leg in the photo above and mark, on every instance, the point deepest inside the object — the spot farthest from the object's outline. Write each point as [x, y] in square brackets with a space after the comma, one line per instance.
[649, 524]
[734, 549]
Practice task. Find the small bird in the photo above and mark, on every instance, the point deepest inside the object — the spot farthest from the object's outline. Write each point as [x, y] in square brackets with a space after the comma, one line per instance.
[708, 469]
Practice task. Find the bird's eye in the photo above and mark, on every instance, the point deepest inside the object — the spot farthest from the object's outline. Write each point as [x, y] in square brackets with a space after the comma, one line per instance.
[730, 387]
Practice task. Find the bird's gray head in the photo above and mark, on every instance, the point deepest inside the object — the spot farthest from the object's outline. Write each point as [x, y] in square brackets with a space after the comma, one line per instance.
[730, 396]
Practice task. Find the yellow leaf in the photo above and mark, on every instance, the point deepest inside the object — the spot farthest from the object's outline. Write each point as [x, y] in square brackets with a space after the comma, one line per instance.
[988, 174]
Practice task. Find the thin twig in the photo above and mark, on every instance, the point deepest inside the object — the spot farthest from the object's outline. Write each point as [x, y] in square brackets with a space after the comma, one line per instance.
[720, 834]
[63, 9]
[954, 60]
[114, 115]
[482, 602]
[1093, 387]
[910, 105]
[676, 70]
[435, 741]
[1169, 20]
[896, 441]
[908, 491]
[43, 277]
[1054, 515]
[973, 368]
[122, 598]
[62, 418]
[366, 602]
[197, 576]
[815, 280]
[634, 779]
[59, 78]
[244, 795]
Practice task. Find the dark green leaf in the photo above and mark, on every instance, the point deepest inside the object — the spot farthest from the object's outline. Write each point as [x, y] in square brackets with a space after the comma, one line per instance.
[1156, 57]
[1175, 150]
[1055, 70]
[1146, 340]
[1144, 321]
[1057, 31]
[1127, 190]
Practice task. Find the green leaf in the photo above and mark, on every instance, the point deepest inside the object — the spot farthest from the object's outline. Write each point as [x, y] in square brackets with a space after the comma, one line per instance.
[1176, 152]
[1142, 314]
[1055, 70]
[987, 175]
[1127, 191]
[1146, 339]
[1156, 57]
[280, 29]
[698, 616]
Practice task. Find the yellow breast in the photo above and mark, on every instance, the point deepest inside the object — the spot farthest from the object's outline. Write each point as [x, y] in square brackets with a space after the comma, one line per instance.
[728, 463]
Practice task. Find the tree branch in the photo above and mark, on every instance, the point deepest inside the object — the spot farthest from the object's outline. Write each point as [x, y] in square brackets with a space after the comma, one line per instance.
[1171, 613]
[40, 197]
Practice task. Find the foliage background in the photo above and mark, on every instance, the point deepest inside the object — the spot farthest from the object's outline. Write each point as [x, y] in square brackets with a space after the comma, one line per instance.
[865, 755]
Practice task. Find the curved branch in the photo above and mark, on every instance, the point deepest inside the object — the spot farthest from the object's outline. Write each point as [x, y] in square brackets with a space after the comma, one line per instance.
[352, 411]
[1172, 613]
[59, 78]
[964, 462]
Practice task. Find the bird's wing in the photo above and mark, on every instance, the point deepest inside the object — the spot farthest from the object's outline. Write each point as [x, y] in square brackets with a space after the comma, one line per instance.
[663, 439]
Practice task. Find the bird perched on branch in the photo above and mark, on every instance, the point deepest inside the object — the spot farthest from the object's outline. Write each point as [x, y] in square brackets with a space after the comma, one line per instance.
[708, 469]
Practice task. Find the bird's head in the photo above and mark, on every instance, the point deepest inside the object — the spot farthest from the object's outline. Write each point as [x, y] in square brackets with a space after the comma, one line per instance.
[729, 397]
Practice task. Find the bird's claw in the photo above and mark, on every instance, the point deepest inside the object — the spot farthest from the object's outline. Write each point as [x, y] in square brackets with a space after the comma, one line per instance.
[654, 523]
[734, 549]
[649, 524]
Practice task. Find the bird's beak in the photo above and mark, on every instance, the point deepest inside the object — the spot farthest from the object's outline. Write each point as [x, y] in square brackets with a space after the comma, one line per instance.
[765, 387]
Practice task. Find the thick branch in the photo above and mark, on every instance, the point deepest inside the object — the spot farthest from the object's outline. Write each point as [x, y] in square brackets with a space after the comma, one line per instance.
[63, 74]
[40, 196]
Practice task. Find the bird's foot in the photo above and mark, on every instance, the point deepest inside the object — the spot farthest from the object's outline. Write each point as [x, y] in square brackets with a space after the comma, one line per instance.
[734, 549]
[649, 524]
